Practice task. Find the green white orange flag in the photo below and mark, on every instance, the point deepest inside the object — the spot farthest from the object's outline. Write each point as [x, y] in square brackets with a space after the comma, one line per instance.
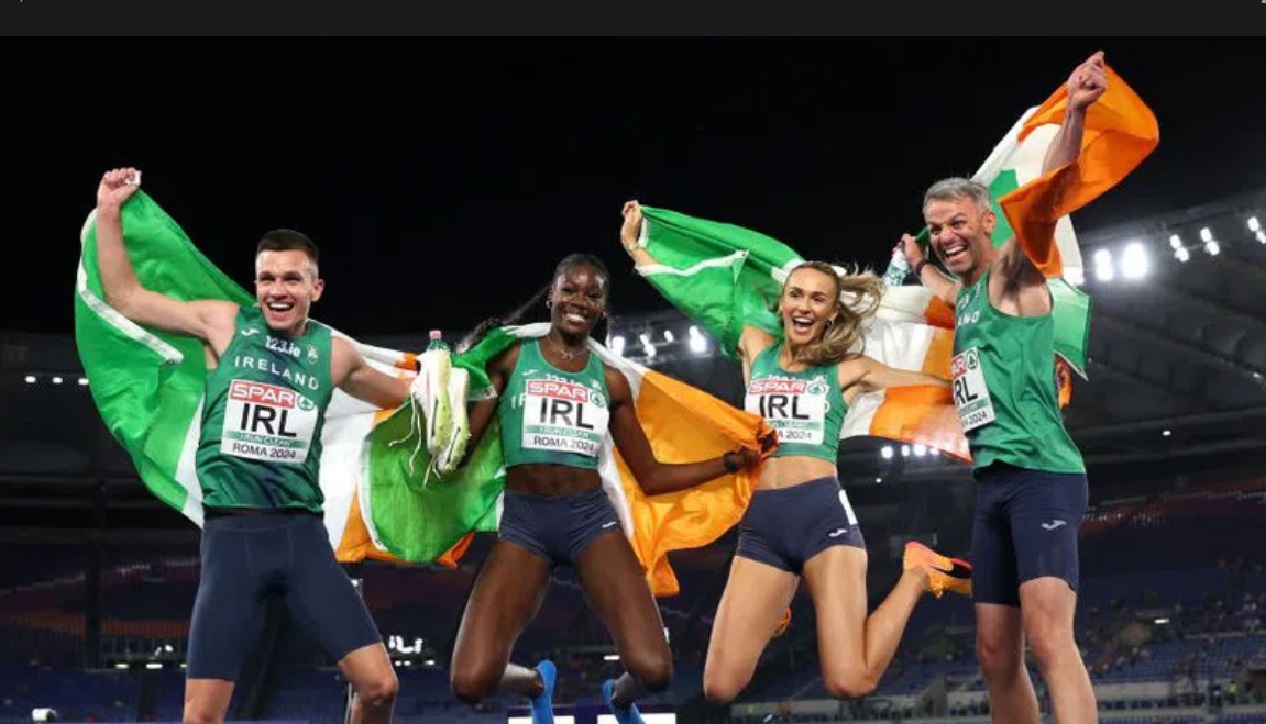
[724, 277]
[1034, 207]
[382, 500]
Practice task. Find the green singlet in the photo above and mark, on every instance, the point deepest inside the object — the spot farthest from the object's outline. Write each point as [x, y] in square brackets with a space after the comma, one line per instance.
[260, 443]
[550, 416]
[1005, 388]
[806, 407]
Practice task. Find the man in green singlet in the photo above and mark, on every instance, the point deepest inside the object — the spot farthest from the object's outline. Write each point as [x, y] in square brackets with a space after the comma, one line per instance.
[271, 374]
[1032, 488]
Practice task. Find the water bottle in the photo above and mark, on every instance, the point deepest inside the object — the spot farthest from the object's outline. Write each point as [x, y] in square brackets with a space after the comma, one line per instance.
[898, 269]
[437, 342]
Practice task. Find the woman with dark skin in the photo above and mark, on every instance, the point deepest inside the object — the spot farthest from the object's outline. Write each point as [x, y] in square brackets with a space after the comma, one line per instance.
[555, 402]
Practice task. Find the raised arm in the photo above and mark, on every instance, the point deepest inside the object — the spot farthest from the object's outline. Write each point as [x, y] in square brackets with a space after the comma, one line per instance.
[865, 374]
[1085, 85]
[210, 320]
[930, 277]
[630, 232]
[356, 377]
[654, 477]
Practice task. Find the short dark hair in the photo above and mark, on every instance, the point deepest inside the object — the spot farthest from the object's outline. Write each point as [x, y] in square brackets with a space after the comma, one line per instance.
[288, 240]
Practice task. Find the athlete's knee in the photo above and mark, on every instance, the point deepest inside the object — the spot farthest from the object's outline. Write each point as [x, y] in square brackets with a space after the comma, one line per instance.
[721, 690]
[378, 691]
[652, 671]
[196, 712]
[473, 684]
[852, 682]
[207, 700]
[1000, 653]
[1047, 607]
[1051, 640]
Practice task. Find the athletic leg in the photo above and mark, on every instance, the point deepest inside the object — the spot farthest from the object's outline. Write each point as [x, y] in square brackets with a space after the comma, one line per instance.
[1046, 514]
[750, 611]
[507, 594]
[324, 604]
[1000, 650]
[226, 618]
[856, 650]
[618, 592]
[999, 629]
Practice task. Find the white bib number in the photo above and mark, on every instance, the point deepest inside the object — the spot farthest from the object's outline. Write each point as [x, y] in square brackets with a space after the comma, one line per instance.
[564, 417]
[267, 422]
[971, 396]
[795, 408]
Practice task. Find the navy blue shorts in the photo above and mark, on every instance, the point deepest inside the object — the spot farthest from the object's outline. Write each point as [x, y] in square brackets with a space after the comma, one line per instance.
[557, 528]
[247, 557]
[786, 527]
[1025, 528]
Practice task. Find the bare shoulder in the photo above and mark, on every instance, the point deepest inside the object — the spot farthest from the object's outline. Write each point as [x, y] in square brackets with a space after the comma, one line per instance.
[1016, 285]
[218, 320]
[617, 383]
[853, 369]
[752, 341]
[343, 356]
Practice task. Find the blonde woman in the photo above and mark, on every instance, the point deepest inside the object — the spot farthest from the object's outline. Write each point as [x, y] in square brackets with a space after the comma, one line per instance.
[799, 522]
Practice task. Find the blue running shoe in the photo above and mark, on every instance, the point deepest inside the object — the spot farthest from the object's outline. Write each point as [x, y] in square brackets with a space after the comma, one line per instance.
[623, 715]
[543, 705]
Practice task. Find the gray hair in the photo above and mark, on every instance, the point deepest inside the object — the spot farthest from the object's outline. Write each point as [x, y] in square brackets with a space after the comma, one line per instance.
[955, 189]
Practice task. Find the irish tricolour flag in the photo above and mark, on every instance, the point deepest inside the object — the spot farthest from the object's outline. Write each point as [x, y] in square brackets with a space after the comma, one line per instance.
[1035, 208]
[382, 498]
[724, 276]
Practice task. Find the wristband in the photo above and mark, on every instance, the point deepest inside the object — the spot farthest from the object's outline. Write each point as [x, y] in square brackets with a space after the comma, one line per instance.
[918, 269]
[731, 467]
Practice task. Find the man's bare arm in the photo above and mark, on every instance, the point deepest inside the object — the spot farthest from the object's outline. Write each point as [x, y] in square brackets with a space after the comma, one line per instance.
[364, 382]
[1085, 85]
[943, 287]
[123, 290]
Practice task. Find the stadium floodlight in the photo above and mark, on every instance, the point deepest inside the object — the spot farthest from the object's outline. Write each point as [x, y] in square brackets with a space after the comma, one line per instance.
[1134, 261]
[1103, 265]
[698, 343]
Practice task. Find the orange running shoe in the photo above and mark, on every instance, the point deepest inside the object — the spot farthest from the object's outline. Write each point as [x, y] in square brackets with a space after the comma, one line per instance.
[944, 573]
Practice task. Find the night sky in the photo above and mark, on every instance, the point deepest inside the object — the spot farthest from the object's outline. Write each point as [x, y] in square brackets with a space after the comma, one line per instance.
[443, 185]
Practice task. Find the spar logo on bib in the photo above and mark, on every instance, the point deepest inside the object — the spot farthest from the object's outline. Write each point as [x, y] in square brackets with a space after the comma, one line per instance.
[267, 422]
[563, 416]
[795, 408]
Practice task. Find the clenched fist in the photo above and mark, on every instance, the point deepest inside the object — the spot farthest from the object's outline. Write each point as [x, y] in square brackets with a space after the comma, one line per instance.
[117, 186]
